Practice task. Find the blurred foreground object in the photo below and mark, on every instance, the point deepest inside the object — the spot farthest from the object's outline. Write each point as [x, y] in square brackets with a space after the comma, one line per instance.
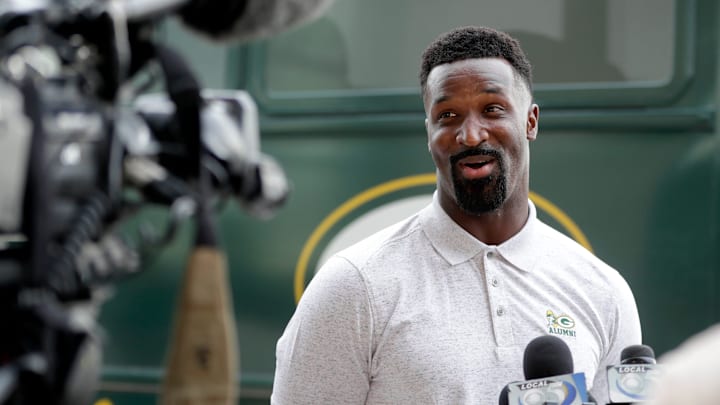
[690, 372]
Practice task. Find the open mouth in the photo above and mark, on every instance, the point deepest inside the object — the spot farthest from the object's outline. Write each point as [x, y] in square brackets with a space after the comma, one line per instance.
[477, 168]
[475, 165]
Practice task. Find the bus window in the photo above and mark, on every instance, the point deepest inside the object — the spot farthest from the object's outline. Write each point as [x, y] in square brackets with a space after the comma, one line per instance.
[376, 44]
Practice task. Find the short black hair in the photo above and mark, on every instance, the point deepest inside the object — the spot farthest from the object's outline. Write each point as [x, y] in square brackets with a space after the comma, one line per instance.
[474, 42]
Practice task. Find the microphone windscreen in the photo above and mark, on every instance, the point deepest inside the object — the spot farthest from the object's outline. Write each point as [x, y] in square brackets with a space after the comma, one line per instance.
[637, 354]
[504, 394]
[213, 17]
[547, 356]
[246, 20]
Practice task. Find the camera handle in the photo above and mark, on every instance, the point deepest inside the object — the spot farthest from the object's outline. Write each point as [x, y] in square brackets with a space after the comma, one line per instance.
[202, 363]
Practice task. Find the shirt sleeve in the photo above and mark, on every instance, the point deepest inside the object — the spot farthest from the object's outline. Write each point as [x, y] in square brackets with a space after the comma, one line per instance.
[323, 355]
[624, 330]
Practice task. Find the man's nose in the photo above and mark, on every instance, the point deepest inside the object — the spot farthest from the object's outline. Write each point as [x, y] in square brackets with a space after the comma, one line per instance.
[473, 132]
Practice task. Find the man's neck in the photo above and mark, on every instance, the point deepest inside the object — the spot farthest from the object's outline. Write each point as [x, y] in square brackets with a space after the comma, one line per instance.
[495, 227]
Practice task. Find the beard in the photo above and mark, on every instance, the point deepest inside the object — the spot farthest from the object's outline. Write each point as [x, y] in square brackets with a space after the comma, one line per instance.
[480, 196]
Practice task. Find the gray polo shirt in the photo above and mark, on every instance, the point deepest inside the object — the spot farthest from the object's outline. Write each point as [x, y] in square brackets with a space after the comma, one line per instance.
[424, 313]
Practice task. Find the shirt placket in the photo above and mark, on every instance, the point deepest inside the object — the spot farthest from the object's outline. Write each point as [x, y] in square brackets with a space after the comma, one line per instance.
[497, 294]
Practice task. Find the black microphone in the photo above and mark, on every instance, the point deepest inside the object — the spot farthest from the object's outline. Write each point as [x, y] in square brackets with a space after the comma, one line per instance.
[637, 354]
[630, 382]
[231, 20]
[245, 20]
[545, 357]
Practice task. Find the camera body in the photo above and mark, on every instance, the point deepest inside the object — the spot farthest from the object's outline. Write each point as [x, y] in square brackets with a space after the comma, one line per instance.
[76, 133]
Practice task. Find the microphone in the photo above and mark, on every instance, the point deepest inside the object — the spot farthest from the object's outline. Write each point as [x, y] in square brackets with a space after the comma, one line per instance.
[548, 369]
[546, 356]
[246, 20]
[231, 20]
[632, 380]
[637, 354]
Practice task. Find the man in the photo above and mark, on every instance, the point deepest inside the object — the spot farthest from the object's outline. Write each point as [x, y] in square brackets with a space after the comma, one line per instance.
[439, 308]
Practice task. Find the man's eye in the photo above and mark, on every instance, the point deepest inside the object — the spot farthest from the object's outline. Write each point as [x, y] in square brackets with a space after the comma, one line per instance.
[446, 114]
[493, 108]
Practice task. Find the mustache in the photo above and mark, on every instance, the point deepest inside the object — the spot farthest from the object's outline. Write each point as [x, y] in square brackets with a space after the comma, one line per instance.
[476, 152]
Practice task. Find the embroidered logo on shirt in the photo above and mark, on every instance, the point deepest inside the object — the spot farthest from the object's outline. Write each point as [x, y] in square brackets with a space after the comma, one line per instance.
[562, 325]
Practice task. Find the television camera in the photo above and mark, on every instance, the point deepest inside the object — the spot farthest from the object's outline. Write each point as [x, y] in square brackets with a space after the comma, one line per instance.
[83, 145]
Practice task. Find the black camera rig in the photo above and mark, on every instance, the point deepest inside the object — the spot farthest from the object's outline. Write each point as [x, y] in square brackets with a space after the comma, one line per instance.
[79, 142]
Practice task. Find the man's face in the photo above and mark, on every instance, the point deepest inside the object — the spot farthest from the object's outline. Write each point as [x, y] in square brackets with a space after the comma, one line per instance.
[479, 119]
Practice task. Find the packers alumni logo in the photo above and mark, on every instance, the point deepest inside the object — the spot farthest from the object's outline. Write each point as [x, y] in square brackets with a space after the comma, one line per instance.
[562, 325]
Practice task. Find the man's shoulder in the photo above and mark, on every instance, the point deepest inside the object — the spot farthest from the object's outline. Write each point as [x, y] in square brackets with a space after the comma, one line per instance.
[566, 250]
[584, 276]
[562, 244]
[395, 239]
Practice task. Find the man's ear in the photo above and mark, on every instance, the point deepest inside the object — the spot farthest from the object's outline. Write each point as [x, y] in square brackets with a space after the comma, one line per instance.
[532, 122]
[427, 131]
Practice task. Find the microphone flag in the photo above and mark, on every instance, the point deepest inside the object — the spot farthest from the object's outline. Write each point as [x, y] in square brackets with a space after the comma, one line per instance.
[566, 389]
[631, 382]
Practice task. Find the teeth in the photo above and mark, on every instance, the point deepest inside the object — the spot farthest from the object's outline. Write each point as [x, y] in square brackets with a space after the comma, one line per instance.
[477, 163]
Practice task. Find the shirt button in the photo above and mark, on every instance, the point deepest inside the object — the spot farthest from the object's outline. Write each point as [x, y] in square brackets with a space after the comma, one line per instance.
[500, 311]
[495, 282]
[490, 255]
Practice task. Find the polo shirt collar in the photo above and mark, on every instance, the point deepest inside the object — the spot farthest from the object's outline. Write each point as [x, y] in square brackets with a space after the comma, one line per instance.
[456, 245]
